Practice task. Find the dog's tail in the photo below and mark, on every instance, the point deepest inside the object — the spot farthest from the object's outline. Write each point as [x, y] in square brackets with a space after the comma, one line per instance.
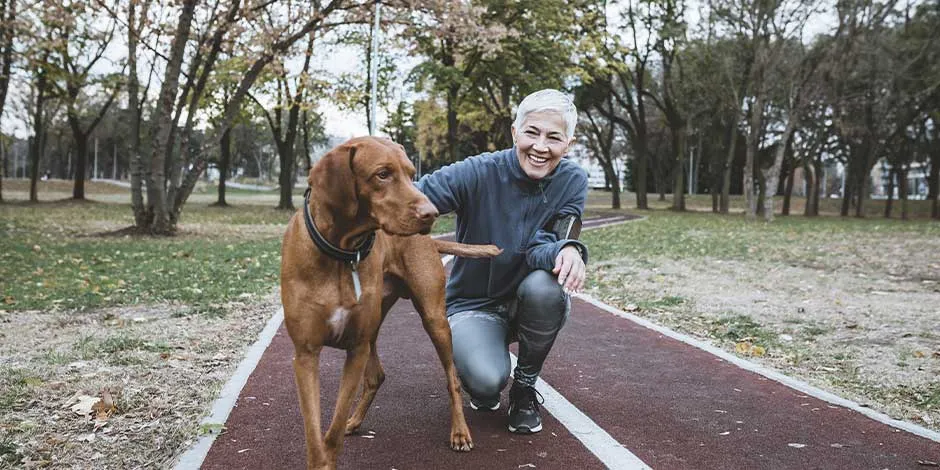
[466, 251]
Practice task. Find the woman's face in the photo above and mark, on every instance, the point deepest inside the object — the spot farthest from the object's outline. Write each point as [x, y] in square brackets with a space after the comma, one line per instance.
[541, 142]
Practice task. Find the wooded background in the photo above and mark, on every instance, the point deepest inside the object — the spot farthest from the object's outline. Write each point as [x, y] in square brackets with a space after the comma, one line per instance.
[749, 93]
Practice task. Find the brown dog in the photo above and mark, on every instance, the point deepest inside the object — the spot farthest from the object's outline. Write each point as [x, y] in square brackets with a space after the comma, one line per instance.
[338, 294]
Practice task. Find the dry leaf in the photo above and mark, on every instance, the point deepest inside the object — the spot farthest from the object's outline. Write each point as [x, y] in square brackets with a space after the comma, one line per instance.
[82, 405]
[104, 407]
[919, 354]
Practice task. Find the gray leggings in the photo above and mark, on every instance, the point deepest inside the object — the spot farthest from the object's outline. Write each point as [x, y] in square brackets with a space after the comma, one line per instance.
[481, 338]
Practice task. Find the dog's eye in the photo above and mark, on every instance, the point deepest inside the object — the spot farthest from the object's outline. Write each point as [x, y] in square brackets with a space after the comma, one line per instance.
[383, 174]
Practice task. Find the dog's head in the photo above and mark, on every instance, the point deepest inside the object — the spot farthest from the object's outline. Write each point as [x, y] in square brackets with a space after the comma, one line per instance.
[371, 178]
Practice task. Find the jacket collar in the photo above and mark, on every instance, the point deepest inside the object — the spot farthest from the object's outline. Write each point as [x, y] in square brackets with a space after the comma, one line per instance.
[519, 175]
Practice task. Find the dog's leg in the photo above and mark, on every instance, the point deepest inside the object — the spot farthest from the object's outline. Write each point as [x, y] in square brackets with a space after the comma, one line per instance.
[352, 373]
[427, 288]
[372, 380]
[374, 375]
[307, 375]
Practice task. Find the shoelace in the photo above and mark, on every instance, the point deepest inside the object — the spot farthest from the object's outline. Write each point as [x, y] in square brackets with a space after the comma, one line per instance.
[532, 399]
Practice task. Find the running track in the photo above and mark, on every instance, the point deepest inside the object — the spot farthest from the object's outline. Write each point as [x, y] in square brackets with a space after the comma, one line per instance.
[663, 402]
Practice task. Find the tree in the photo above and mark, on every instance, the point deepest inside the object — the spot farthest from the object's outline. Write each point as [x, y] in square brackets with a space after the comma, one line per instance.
[596, 103]
[284, 121]
[78, 46]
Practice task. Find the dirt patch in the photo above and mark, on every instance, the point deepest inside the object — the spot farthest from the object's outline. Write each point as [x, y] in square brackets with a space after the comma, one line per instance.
[161, 365]
[868, 330]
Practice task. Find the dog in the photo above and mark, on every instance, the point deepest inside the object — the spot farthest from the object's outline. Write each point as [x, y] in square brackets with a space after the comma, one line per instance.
[358, 245]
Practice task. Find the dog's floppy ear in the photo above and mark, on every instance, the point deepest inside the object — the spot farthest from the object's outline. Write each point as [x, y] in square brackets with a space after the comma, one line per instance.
[333, 180]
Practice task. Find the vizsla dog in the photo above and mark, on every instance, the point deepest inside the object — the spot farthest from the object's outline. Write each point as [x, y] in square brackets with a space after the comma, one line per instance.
[346, 258]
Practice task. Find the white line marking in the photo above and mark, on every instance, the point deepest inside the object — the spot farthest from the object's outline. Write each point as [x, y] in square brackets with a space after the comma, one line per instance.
[193, 458]
[769, 373]
[610, 452]
[592, 227]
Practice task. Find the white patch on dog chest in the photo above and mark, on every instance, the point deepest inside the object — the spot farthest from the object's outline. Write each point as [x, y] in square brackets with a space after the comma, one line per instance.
[337, 322]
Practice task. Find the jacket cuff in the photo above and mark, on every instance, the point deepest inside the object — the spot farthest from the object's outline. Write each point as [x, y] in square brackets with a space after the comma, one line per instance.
[582, 248]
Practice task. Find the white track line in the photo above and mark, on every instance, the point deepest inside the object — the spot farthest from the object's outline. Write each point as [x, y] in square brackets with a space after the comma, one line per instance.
[192, 459]
[610, 452]
[769, 373]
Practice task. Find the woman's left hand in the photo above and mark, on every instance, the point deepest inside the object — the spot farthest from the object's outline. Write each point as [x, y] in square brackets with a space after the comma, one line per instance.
[569, 267]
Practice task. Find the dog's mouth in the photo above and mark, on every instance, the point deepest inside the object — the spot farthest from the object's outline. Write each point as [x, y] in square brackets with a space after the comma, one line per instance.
[406, 228]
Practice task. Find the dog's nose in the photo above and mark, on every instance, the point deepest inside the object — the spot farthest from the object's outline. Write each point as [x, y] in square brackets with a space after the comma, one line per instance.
[426, 211]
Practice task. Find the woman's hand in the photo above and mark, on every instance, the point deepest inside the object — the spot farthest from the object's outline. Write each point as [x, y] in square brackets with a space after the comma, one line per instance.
[569, 267]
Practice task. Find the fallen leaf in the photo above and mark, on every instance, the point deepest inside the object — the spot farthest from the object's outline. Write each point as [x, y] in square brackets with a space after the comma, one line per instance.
[83, 405]
[919, 354]
[9, 299]
[796, 445]
[104, 407]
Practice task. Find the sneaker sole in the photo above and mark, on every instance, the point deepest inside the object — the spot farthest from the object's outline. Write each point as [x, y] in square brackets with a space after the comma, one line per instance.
[525, 430]
[473, 406]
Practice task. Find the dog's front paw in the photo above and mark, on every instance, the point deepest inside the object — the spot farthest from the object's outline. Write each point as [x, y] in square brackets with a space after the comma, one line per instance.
[460, 440]
[352, 425]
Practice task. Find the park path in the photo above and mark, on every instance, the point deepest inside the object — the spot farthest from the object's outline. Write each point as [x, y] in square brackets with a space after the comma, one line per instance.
[667, 403]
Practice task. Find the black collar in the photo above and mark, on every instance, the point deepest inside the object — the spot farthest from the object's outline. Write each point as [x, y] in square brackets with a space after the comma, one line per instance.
[326, 247]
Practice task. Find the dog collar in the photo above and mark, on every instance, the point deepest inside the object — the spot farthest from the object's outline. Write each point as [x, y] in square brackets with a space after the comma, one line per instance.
[352, 257]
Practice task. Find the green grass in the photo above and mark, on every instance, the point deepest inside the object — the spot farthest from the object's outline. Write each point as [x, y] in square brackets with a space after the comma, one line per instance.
[697, 235]
[14, 387]
[52, 256]
[665, 302]
[737, 328]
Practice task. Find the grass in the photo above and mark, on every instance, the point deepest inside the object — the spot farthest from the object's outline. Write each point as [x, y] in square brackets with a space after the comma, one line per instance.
[874, 208]
[52, 256]
[700, 235]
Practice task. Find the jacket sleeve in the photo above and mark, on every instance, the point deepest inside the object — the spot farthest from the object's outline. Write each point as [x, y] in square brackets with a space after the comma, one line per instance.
[448, 187]
[544, 246]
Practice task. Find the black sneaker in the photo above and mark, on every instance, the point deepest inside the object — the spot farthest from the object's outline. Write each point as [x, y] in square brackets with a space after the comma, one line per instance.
[484, 405]
[524, 415]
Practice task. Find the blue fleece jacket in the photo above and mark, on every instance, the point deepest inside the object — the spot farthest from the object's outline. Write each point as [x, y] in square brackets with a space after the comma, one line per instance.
[496, 202]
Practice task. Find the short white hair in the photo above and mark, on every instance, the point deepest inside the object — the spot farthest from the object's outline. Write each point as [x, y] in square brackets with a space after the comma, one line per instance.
[548, 100]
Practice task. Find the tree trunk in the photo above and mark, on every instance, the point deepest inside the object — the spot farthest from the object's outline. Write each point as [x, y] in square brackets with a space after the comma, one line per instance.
[285, 150]
[788, 191]
[772, 175]
[3, 165]
[156, 183]
[756, 121]
[725, 203]
[81, 164]
[225, 155]
[135, 165]
[35, 150]
[812, 188]
[903, 189]
[889, 202]
[933, 179]
[680, 138]
[7, 17]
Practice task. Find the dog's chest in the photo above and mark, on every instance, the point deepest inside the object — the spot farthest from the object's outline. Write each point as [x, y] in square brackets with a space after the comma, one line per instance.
[337, 322]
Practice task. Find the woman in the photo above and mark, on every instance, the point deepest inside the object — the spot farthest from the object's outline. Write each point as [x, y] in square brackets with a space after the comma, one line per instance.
[512, 198]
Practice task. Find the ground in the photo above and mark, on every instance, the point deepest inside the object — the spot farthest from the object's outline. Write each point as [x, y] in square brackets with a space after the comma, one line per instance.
[150, 329]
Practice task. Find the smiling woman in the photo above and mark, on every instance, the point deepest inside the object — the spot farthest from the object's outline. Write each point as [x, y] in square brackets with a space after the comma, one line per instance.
[505, 198]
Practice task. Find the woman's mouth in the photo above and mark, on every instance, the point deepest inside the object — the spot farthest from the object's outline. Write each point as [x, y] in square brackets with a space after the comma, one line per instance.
[537, 161]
